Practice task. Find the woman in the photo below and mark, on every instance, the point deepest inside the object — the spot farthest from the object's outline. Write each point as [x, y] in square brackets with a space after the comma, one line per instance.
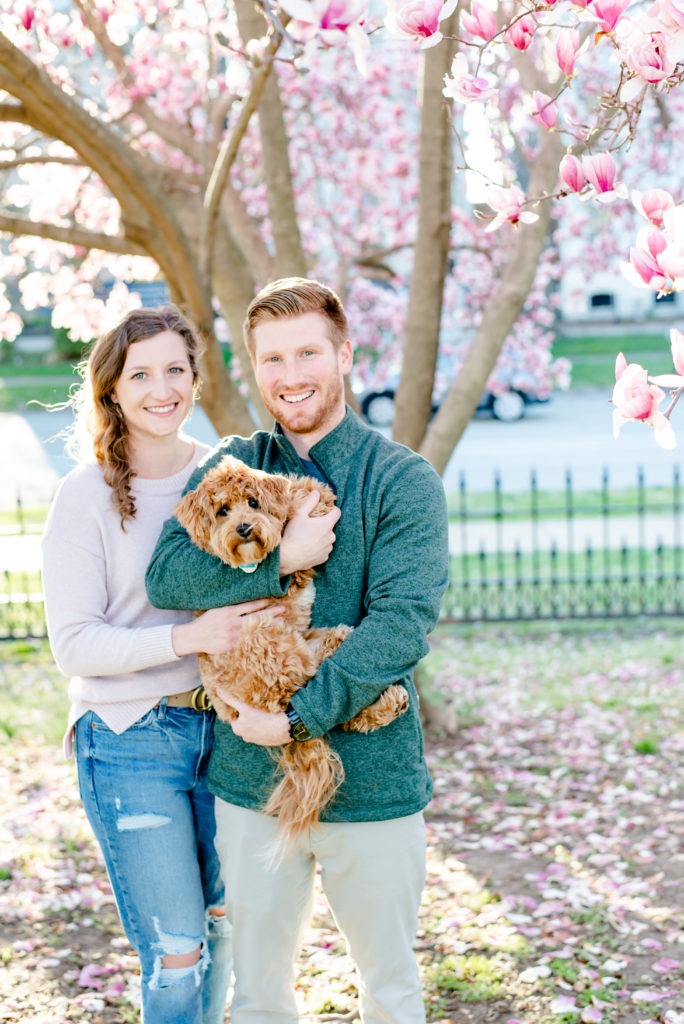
[138, 723]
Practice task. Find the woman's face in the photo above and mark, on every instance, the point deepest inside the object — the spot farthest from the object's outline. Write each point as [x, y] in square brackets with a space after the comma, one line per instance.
[155, 389]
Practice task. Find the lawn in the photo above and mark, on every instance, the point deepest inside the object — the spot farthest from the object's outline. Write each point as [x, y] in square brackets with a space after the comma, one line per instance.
[593, 356]
[555, 840]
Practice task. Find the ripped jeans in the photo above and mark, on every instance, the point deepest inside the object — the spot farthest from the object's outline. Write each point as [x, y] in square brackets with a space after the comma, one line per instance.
[145, 795]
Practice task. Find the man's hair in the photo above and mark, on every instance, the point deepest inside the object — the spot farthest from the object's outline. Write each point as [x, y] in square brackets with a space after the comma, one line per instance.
[290, 297]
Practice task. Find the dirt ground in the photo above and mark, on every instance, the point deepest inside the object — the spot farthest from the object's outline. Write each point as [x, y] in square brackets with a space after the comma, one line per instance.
[505, 932]
[555, 876]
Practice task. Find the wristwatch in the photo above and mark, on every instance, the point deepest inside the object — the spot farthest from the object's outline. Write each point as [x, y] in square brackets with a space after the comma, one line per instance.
[298, 731]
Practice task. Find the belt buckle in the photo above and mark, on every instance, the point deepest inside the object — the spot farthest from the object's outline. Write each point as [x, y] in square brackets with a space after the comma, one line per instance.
[199, 700]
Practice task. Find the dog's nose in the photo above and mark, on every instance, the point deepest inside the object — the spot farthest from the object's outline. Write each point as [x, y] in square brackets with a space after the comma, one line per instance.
[243, 530]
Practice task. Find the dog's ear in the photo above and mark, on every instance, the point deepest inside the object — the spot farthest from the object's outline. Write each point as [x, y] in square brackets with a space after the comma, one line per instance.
[195, 512]
[274, 495]
[301, 487]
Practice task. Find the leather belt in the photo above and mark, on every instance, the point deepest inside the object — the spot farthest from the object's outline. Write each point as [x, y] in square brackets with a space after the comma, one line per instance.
[197, 699]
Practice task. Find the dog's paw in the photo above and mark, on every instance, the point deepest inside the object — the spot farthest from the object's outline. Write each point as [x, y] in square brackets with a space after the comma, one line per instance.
[392, 703]
[324, 642]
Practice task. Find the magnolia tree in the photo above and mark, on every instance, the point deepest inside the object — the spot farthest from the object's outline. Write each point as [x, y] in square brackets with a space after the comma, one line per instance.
[421, 159]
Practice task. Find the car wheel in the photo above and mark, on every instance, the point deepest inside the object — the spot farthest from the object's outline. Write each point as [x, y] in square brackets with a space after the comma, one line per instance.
[378, 408]
[508, 407]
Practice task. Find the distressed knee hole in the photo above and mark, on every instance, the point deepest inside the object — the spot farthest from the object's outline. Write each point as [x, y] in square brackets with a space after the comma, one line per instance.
[178, 957]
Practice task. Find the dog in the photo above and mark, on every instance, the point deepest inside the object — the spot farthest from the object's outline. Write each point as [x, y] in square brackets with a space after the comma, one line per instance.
[238, 514]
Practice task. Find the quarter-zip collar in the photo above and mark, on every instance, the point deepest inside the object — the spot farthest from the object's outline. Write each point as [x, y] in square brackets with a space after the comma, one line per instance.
[333, 453]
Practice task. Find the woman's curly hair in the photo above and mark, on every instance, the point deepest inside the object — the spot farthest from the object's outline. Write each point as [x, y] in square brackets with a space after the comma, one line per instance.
[100, 429]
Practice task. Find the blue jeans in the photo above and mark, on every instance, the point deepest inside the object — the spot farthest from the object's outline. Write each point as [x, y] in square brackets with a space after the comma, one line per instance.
[145, 795]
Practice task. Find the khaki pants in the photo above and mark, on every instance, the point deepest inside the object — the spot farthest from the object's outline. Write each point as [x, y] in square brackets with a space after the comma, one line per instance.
[373, 875]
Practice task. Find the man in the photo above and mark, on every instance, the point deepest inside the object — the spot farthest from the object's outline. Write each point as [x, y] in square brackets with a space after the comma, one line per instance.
[385, 575]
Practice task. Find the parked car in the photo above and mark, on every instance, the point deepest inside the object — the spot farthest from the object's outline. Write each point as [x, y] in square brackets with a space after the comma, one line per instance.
[378, 406]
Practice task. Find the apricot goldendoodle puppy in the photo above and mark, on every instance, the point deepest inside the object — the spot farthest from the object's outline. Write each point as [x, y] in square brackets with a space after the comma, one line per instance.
[238, 514]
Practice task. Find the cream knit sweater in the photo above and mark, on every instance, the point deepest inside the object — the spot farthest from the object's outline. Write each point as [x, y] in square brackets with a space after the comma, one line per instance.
[103, 631]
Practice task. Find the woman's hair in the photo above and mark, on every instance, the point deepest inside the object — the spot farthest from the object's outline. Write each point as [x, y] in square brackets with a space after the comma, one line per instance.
[100, 428]
[293, 296]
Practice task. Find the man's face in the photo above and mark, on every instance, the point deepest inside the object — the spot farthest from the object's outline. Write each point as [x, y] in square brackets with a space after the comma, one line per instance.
[301, 375]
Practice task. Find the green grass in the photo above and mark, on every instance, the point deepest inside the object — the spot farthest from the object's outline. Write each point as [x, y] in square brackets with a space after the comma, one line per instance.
[33, 700]
[523, 505]
[593, 357]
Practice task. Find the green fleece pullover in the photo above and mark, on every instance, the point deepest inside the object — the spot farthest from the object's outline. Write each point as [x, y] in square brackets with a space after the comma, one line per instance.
[385, 576]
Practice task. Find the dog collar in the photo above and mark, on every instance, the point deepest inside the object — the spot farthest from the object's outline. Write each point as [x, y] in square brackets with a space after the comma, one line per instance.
[250, 567]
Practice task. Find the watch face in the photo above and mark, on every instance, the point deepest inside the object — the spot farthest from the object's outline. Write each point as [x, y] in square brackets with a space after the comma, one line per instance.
[300, 732]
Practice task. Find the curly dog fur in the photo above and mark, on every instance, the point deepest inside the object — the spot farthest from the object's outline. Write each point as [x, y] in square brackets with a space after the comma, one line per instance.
[238, 514]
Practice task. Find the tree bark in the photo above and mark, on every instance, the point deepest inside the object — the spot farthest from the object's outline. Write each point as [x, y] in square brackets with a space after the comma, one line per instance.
[456, 410]
[424, 314]
[289, 254]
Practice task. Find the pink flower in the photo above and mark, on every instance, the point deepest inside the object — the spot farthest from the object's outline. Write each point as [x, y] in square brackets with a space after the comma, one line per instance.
[677, 347]
[508, 203]
[480, 21]
[635, 399]
[652, 204]
[608, 12]
[419, 20]
[462, 86]
[644, 53]
[27, 15]
[520, 33]
[572, 173]
[600, 171]
[567, 45]
[329, 17]
[545, 110]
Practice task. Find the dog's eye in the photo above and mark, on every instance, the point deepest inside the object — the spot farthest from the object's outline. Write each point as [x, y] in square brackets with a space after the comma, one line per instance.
[253, 503]
[223, 511]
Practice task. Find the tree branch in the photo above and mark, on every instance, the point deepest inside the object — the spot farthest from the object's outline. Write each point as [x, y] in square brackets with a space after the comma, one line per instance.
[228, 152]
[70, 235]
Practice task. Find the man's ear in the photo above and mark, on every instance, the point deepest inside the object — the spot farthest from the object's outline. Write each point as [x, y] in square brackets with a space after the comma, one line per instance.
[345, 356]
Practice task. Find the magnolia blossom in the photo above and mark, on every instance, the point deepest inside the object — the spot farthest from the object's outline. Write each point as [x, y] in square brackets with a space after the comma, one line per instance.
[607, 12]
[508, 203]
[645, 53]
[480, 21]
[643, 269]
[673, 381]
[520, 33]
[462, 86]
[334, 22]
[635, 398]
[600, 171]
[27, 15]
[567, 45]
[572, 173]
[652, 204]
[545, 110]
[419, 20]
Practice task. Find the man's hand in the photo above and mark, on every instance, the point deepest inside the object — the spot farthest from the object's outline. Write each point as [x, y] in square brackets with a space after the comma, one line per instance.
[307, 540]
[264, 728]
[218, 630]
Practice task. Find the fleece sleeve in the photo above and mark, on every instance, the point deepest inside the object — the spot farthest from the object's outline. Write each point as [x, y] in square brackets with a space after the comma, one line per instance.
[407, 575]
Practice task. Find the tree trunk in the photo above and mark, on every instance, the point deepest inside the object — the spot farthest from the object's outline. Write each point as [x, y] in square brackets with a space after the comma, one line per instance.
[289, 254]
[424, 314]
[499, 317]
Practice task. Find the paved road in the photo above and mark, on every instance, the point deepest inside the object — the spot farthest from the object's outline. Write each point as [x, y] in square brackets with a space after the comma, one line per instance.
[572, 432]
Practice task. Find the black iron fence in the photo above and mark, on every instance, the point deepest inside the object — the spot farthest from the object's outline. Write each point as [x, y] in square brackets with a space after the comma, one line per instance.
[529, 555]
[536, 555]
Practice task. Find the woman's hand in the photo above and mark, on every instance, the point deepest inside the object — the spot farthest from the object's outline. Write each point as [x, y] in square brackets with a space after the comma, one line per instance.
[265, 728]
[218, 630]
[307, 540]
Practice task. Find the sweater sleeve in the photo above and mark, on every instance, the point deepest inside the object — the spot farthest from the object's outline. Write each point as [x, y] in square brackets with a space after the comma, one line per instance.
[180, 575]
[408, 572]
[76, 601]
